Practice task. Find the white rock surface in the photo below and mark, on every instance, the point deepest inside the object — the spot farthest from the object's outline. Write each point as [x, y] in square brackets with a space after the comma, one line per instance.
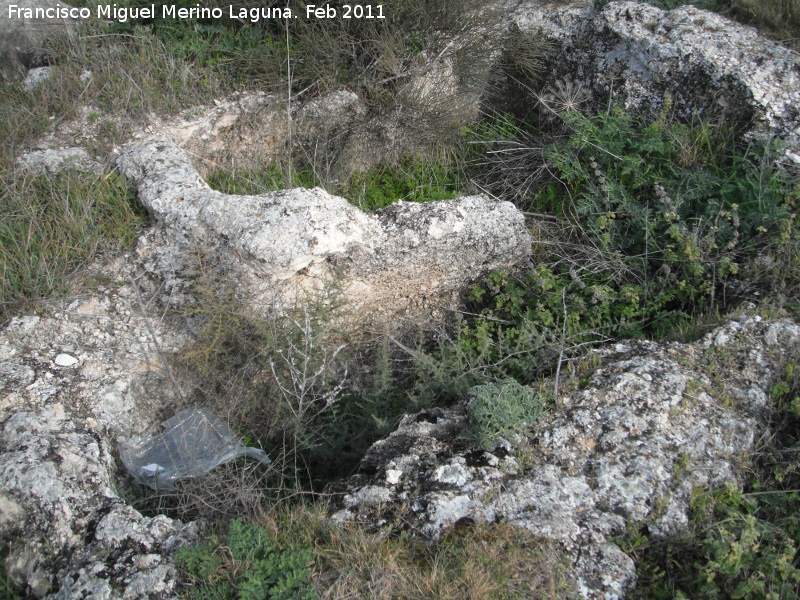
[53, 161]
[698, 60]
[65, 360]
[67, 530]
[629, 447]
[401, 259]
[36, 77]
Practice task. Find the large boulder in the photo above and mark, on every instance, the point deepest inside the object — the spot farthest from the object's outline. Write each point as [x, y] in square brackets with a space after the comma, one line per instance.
[23, 41]
[698, 61]
[74, 380]
[629, 447]
[406, 259]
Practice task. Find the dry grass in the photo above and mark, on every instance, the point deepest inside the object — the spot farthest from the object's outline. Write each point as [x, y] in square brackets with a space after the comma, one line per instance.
[778, 18]
[52, 226]
[475, 561]
[120, 77]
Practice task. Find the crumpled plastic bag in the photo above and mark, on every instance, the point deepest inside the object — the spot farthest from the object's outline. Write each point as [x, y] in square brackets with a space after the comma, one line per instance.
[194, 442]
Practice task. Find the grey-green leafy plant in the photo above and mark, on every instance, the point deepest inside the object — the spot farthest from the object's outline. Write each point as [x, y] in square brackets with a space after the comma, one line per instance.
[500, 411]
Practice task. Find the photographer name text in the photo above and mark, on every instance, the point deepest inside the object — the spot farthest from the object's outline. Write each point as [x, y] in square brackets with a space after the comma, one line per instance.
[112, 12]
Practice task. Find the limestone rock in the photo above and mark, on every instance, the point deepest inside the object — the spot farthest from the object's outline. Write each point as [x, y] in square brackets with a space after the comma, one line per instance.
[36, 77]
[629, 447]
[281, 243]
[698, 60]
[23, 41]
[67, 530]
[240, 132]
[54, 161]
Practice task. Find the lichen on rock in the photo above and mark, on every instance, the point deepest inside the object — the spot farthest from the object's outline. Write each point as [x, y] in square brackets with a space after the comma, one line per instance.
[630, 446]
[693, 61]
[281, 244]
[68, 530]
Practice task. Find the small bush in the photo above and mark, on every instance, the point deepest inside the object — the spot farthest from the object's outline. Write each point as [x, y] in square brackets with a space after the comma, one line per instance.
[271, 376]
[648, 224]
[294, 383]
[500, 411]
[735, 548]
[676, 216]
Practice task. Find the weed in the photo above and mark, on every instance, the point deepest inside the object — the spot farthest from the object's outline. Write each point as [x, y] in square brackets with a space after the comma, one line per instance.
[271, 179]
[247, 565]
[412, 180]
[498, 412]
[654, 222]
[321, 558]
[54, 225]
[497, 561]
[272, 376]
[732, 550]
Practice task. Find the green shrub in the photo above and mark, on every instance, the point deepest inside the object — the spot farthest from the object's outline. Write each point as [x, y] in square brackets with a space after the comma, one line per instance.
[671, 214]
[735, 548]
[500, 411]
[646, 225]
[247, 565]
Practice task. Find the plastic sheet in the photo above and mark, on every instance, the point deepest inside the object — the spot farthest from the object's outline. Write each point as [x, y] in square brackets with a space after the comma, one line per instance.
[194, 442]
